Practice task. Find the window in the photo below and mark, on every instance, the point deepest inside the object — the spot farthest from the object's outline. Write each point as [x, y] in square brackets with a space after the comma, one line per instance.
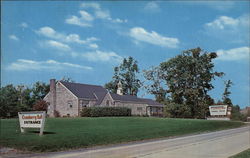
[70, 103]
[139, 108]
[107, 102]
[83, 103]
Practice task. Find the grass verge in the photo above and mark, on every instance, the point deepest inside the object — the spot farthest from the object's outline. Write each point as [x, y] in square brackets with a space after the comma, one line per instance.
[243, 154]
[72, 133]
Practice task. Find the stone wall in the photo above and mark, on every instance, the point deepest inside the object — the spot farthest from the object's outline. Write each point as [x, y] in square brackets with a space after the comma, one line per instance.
[107, 101]
[66, 102]
[136, 108]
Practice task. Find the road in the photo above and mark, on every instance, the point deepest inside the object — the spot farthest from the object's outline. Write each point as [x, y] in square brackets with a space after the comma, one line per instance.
[220, 144]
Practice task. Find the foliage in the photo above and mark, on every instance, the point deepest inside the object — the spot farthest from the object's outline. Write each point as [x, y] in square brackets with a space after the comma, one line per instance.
[127, 74]
[177, 111]
[188, 77]
[105, 111]
[72, 133]
[40, 105]
[8, 101]
[67, 79]
[57, 113]
[236, 115]
[225, 98]
[20, 98]
[156, 83]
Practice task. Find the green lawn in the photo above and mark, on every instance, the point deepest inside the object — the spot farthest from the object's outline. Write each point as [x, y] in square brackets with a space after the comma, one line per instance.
[244, 154]
[71, 133]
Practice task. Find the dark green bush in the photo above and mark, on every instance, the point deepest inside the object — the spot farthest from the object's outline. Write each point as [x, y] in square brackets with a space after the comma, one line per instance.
[105, 111]
[177, 111]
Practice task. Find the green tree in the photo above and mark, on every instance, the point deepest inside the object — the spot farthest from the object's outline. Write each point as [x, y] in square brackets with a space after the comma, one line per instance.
[225, 97]
[8, 101]
[155, 83]
[67, 79]
[188, 77]
[126, 73]
[39, 91]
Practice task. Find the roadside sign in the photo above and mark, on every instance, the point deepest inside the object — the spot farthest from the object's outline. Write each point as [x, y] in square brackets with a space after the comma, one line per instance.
[216, 110]
[32, 119]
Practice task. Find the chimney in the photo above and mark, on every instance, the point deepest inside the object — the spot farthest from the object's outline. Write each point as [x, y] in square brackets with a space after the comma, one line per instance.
[53, 95]
[119, 88]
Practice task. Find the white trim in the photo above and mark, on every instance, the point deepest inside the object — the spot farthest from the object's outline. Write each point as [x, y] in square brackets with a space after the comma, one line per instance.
[46, 95]
[110, 96]
[67, 89]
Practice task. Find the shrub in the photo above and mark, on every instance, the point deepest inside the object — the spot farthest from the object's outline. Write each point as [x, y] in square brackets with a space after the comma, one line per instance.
[105, 111]
[40, 105]
[57, 114]
[177, 111]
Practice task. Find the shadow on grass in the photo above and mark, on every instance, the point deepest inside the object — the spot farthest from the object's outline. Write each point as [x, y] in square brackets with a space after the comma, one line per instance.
[43, 132]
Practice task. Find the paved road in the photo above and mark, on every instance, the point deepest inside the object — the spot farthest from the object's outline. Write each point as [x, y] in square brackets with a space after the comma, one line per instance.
[221, 144]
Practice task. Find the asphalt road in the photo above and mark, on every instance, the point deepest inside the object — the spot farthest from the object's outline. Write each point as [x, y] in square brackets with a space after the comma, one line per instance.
[220, 144]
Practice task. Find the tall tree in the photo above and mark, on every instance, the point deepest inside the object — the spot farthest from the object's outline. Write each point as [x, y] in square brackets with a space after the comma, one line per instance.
[8, 101]
[188, 77]
[225, 97]
[39, 91]
[126, 73]
[155, 83]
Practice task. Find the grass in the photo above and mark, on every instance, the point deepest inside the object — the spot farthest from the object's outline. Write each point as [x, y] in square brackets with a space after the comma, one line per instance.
[72, 133]
[243, 154]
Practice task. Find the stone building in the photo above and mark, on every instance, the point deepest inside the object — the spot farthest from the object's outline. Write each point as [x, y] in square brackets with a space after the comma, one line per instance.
[69, 98]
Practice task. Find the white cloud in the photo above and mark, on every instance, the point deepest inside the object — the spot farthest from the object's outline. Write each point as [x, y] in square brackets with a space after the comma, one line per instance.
[70, 38]
[93, 45]
[91, 5]
[58, 45]
[86, 19]
[49, 65]
[241, 53]
[24, 25]
[102, 56]
[13, 37]
[152, 6]
[140, 34]
[232, 29]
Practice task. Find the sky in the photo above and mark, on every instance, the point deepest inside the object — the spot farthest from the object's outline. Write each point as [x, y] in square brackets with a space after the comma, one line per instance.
[85, 40]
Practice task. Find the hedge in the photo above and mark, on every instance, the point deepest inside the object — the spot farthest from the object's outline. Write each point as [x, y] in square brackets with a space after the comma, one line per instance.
[105, 111]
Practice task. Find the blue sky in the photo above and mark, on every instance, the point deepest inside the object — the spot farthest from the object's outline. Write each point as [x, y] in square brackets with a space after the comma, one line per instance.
[85, 40]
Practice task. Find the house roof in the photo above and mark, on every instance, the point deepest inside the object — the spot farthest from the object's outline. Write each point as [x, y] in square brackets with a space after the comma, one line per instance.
[94, 92]
[130, 98]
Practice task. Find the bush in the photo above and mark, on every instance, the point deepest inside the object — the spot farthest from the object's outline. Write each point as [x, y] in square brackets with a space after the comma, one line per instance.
[105, 111]
[177, 111]
[57, 114]
[40, 105]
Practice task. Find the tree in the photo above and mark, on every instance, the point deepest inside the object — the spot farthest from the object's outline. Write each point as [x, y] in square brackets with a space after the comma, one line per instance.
[188, 78]
[156, 84]
[127, 74]
[67, 79]
[40, 105]
[8, 101]
[39, 91]
[225, 97]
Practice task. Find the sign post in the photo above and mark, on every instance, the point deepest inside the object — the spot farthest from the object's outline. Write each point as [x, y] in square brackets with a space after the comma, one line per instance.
[33, 119]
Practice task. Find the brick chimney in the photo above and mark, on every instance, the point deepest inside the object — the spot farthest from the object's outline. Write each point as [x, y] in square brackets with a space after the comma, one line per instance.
[53, 95]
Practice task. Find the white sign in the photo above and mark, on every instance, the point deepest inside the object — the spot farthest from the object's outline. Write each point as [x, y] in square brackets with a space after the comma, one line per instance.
[216, 110]
[33, 119]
